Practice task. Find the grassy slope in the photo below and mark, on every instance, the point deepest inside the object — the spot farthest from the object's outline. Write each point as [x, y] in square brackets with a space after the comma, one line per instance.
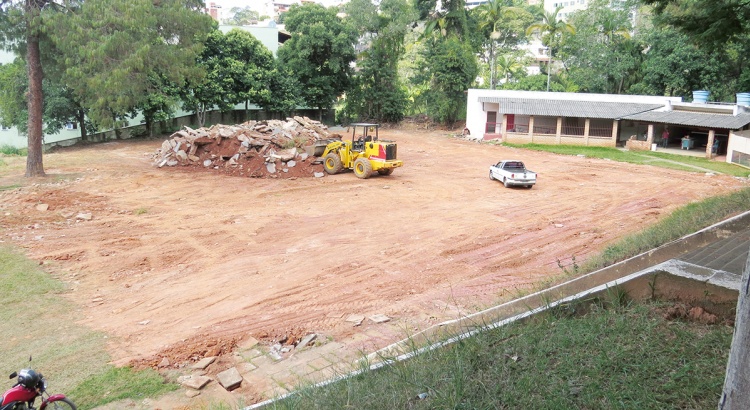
[612, 357]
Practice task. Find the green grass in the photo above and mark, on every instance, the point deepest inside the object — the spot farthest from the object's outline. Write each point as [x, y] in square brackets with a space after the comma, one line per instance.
[37, 320]
[610, 357]
[119, 383]
[660, 159]
[11, 150]
[683, 221]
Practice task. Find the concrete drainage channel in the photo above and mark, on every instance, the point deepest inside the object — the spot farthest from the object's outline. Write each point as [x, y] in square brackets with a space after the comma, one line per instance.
[703, 269]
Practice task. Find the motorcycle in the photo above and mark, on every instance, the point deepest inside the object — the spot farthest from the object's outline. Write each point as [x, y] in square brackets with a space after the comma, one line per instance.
[29, 386]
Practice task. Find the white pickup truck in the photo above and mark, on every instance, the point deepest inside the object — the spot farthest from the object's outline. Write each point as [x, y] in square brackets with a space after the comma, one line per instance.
[512, 172]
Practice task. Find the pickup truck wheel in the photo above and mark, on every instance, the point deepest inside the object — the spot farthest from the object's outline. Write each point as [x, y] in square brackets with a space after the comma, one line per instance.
[332, 163]
[362, 168]
[491, 177]
[506, 183]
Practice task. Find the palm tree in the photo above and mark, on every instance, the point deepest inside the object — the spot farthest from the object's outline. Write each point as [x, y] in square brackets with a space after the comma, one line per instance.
[508, 65]
[491, 15]
[552, 31]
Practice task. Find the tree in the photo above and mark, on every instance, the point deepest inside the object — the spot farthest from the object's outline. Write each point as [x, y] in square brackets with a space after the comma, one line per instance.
[284, 96]
[503, 23]
[673, 65]
[602, 57]
[319, 53]
[711, 21]
[716, 26]
[242, 16]
[736, 392]
[449, 64]
[21, 26]
[509, 65]
[453, 68]
[236, 67]
[552, 31]
[376, 92]
[114, 50]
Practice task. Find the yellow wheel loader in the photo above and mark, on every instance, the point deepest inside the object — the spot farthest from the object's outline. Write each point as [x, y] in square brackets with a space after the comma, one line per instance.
[364, 153]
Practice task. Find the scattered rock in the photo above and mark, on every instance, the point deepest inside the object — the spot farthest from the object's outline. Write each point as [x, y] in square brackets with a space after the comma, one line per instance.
[248, 343]
[194, 382]
[356, 319]
[203, 363]
[306, 340]
[230, 379]
[42, 207]
[379, 318]
[192, 393]
[164, 363]
[85, 216]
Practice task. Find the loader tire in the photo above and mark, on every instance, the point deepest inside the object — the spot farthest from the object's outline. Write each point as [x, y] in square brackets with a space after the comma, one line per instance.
[332, 163]
[385, 171]
[362, 168]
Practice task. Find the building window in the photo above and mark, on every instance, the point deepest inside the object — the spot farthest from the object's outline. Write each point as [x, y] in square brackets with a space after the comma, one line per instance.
[4, 128]
[71, 126]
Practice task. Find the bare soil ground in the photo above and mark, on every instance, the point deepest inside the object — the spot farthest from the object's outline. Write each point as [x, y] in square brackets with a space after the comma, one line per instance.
[184, 263]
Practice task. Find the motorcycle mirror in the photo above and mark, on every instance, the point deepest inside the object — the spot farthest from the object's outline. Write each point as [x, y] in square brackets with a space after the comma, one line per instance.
[13, 375]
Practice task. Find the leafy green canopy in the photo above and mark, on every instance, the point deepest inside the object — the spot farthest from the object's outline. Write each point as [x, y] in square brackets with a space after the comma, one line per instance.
[711, 21]
[602, 57]
[113, 49]
[376, 93]
[319, 53]
[236, 69]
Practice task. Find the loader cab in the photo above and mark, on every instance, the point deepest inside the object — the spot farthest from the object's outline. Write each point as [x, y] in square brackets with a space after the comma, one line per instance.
[363, 133]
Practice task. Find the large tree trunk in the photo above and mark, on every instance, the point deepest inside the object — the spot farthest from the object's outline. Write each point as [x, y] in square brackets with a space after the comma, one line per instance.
[81, 118]
[34, 165]
[736, 394]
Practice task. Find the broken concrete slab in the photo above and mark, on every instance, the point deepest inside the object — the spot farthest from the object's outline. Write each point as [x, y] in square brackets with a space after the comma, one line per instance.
[380, 318]
[230, 379]
[306, 340]
[194, 382]
[356, 319]
[203, 363]
[248, 343]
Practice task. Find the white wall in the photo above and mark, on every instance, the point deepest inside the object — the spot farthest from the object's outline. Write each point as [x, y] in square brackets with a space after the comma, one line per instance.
[269, 36]
[738, 141]
[476, 115]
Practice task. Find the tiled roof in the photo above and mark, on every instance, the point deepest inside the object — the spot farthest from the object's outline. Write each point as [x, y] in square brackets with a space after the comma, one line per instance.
[694, 119]
[560, 108]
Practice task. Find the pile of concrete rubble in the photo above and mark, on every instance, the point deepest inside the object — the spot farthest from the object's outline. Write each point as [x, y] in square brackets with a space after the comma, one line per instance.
[273, 148]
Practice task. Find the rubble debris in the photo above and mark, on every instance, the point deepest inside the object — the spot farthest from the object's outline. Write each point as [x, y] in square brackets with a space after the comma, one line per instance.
[259, 149]
[193, 381]
[229, 379]
[203, 363]
[306, 340]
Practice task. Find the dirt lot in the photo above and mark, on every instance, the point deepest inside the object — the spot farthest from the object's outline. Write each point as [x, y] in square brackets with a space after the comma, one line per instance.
[180, 263]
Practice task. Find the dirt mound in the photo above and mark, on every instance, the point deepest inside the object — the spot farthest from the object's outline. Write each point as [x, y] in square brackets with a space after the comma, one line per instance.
[263, 149]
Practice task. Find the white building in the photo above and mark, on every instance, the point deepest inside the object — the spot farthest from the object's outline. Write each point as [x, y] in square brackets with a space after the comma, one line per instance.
[632, 121]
